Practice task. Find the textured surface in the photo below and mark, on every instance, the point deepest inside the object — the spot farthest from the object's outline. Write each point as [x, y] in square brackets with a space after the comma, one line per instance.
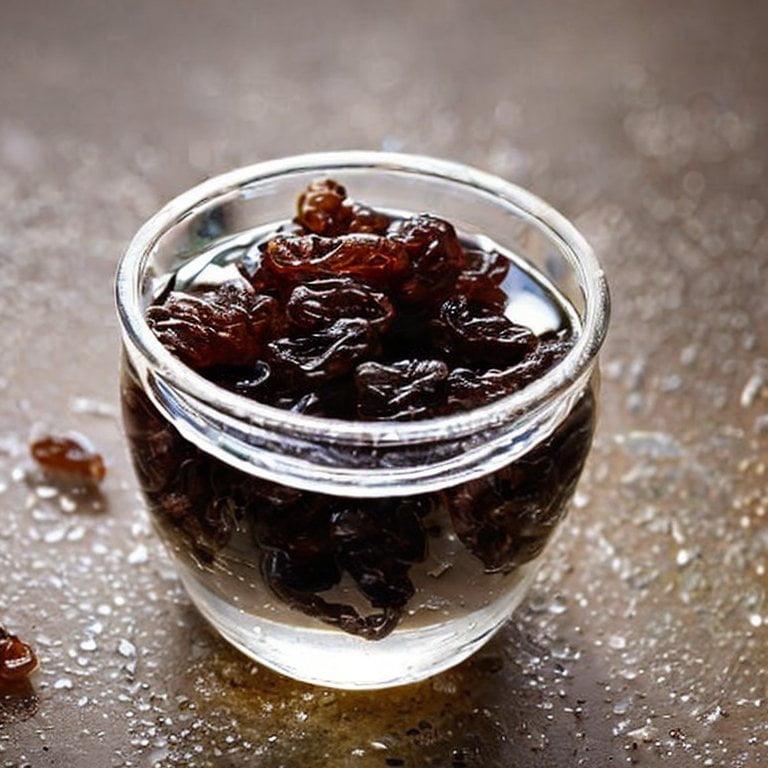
[645, 639]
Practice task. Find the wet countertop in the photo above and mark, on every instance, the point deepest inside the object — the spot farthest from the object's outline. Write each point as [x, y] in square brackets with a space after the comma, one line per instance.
[645, 640]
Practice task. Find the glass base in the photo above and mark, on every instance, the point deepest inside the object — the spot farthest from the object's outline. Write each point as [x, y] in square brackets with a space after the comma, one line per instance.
[334, 659]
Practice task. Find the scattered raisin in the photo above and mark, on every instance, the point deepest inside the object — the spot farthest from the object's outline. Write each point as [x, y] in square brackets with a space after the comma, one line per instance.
[17, 659]
[71, 456]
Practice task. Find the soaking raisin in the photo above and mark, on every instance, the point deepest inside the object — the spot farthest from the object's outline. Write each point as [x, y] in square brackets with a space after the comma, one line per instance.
[407, 389]
[349, 312]
[227, 326]
[479, 334]
[329, 353]
[469, 389]
[436, 258]
[505, 518]
[322, 209]
[320, 303]
[371, 259]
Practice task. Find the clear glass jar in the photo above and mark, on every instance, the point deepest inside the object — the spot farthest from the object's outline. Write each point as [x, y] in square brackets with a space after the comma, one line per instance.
[465, 502]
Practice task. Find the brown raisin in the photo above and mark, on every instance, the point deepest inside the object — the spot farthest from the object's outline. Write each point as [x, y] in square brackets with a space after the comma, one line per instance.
[469, 389]
[322, 209]
[436, 258]
[329, 353]
[17, 659]
[227, 326]
[371, 259]
[70, 456]
[405, 390]
[321, 303]
[506, 518]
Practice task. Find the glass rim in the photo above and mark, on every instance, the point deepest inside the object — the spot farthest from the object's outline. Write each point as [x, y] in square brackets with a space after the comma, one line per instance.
[575, 365]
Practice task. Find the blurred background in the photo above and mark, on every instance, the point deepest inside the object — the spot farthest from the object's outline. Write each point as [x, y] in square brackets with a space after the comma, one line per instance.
[644, 641]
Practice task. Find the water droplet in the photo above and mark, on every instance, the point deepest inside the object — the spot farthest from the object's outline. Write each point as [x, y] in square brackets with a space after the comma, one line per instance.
[139, 555]
[126, 648]
[684, 557]
[623, 706]
[754, 384]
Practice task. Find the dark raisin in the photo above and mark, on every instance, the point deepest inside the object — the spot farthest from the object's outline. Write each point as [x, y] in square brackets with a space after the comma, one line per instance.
[478, 334]
[344, 617]
[326, 354]
[227, 326]
[320, 303]
[481, 290]
[436, 258]
[468, 389]
[249, 381]
[377, 543]
[70, 456]
[408, 389]
[370, 259]
[506, 518]
[489, 264]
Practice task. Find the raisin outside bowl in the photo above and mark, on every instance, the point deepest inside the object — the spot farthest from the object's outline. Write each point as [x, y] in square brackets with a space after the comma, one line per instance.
[365, 520]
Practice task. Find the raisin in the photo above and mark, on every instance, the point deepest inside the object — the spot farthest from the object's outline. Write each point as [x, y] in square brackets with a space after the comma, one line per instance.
[479, 334]
[322, 209]
[436, 258]
[344, 617]
[377, 543]
[17, 659]
[334, 399]
[481, 290]
[506, 518]
[250, 381]
[368, 220]
[408, 389]
[371, 259]
[468, 389]
[222, 327]
[329, 353]
[320, 303]
[70, 456]
[488, 264]
[160, 448]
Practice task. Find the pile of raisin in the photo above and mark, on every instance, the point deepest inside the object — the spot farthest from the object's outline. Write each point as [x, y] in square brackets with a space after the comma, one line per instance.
[352, 313]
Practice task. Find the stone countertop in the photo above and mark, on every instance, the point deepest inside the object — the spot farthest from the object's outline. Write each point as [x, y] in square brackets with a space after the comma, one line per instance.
[644, 641]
